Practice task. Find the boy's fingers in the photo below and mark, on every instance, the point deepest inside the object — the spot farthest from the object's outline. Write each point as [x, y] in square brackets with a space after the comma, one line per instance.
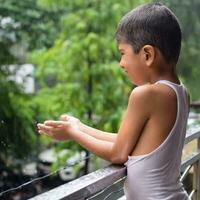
[39, 126]
[44, 128]
[53, 123]
[64, 117]
[44, 133]
[50, 126]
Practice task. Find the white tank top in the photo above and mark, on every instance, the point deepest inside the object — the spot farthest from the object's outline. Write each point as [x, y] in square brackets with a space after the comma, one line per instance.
[156, 175]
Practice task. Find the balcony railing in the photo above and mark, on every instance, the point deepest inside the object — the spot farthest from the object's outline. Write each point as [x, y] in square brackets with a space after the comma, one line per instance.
[107, 183]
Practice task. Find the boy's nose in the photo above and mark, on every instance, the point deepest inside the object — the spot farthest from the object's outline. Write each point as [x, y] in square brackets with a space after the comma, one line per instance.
[121, 64]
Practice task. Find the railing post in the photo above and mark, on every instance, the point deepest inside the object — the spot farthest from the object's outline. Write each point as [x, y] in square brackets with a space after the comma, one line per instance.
[196, 179]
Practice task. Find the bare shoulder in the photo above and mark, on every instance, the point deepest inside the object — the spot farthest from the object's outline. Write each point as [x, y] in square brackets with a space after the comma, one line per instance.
[142, 98]
[153, 96]
[165, 102]
[164, 94]
[141, 93]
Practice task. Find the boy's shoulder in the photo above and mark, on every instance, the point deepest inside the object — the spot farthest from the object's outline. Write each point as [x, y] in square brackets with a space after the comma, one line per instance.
[152, 95]
[144, 91]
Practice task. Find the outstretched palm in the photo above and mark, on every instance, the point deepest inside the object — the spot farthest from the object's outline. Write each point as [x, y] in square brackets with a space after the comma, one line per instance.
[60, 130]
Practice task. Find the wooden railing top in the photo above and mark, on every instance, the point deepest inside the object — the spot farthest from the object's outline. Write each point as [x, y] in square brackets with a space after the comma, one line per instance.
[85, 185]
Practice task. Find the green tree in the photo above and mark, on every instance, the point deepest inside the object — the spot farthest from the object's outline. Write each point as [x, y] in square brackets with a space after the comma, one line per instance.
[81, 70]
[24, 26]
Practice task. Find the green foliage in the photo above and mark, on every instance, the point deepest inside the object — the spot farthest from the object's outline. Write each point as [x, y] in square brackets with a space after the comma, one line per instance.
[16, 125]
[83, 61]
[28, 23]
[72, 45]
[188, 66]
[80, 74]
[23, 26]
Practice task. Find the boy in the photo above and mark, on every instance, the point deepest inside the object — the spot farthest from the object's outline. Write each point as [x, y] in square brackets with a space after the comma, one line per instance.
[151, 136]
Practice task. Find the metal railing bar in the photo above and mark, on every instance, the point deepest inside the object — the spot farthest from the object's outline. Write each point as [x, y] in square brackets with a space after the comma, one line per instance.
[115, 186]
[191, 135]
[191, 159]
[192, 193]
[119, 190]
[185, 173]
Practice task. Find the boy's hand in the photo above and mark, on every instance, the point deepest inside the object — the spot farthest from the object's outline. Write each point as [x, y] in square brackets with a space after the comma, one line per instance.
[75, 121]
[59, 130]
[66, 117]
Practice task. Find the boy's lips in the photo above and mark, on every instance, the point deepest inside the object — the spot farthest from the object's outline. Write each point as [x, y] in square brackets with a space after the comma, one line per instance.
[125, 71]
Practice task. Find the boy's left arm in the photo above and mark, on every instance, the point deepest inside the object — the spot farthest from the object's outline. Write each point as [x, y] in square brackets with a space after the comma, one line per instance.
[137, 114]
[135, 118]
[98, 147]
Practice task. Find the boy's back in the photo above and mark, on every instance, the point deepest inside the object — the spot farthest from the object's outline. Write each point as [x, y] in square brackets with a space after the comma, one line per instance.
[163, 103]
[153, 170]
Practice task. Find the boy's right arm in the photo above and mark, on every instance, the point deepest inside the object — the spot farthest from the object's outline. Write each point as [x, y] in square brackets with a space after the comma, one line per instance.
[101, 135]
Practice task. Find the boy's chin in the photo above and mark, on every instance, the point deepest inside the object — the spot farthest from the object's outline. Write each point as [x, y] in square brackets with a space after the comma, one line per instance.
[135, 83]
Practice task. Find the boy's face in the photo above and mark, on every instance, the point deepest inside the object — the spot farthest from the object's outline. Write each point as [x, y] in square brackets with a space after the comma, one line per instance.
[133, 64]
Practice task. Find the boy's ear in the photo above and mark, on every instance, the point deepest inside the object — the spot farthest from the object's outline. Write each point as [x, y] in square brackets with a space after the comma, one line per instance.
[148, 53]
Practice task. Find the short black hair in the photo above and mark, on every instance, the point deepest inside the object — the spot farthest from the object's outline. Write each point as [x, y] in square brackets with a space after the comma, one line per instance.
[151, 24]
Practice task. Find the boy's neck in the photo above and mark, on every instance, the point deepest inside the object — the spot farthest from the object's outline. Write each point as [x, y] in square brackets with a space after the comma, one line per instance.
[169, 75]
